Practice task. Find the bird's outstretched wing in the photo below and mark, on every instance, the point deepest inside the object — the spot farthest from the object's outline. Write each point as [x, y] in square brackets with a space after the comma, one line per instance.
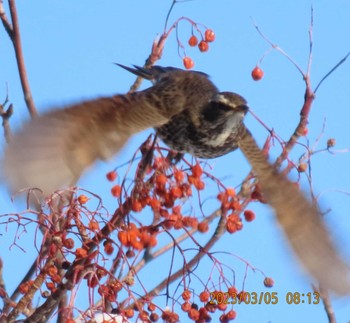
[300, 221]
[53, 150]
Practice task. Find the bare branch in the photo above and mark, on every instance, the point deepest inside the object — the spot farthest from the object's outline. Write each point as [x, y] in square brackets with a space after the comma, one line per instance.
[16, 40]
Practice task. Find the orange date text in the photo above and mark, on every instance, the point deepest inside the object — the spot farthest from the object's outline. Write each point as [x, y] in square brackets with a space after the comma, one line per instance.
[217, 298]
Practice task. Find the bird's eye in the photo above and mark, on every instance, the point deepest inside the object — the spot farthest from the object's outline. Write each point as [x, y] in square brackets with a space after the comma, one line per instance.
[214, 110]
[210, 113]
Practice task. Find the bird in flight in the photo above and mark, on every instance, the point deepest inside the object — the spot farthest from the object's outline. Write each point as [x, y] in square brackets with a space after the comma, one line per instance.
[190, 115]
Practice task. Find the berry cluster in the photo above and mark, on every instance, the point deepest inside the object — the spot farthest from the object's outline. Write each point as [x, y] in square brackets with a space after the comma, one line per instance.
[203, 45]
[202, 314]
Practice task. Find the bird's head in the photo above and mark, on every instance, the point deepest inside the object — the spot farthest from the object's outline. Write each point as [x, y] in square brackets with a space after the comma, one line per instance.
[230, 102]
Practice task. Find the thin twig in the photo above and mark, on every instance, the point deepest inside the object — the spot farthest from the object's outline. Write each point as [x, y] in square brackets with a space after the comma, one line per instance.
[16, 40]
[327, 305]
[332, 70]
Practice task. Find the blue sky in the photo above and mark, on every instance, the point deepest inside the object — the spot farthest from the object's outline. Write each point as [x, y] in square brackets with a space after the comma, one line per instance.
[69, 48]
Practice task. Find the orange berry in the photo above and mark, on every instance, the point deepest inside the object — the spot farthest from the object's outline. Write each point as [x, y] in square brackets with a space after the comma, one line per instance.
[222, 197]
[108, 248]
[186, 307]
[204, 296]
[186, 295]
[331, 142]
[24, 288]
[176, 192]
[235, 206]
[257, 73]
[52, 271]
[190, 221]
[302, 167]
[234, 223]
[193, 41]
[193, 314]
[50, 286]
[209, 35]
[82, 199]
[203, 227]
[199, 185]
[222, 306]
[231, 315]
[93, 225]
[129, 313]
[123, 238]
[116, 190]
[197, 170]
[81, 252]
[203, 46]
[268, 282]
[68, 243]
[111, 176]
[136, 206]
[249, 215]
[154, 204]
[179, 176]
[151, 307]
[154, 317]
[138, 245]
[231, 192]
[161, 179]
[232, 290]
[188, 62]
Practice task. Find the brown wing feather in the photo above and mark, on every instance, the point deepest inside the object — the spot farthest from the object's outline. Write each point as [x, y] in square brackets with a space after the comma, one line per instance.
[300, 221]
[52, 150]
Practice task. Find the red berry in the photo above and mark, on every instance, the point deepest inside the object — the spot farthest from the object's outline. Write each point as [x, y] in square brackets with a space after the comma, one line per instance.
[257, 73]
[186, 295]
[116, 190]
[209, 35]
[222, 306]
[204, 296]
[268, 282]
[230, 192]
[179, 176]
[193, 41]
[186, 307]
[68, 243]
[108, 248]
[161, 179]
[82, 199]
[203, 227]
[203, 46]
[302, 167]
[188, 62]
[111, 176]
[197, 170]
[331, 142]
[193, 314]
[249, 215]
[231, 315]
[136, 206]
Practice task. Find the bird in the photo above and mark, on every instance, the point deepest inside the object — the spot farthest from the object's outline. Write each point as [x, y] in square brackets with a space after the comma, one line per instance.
[190, 115]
